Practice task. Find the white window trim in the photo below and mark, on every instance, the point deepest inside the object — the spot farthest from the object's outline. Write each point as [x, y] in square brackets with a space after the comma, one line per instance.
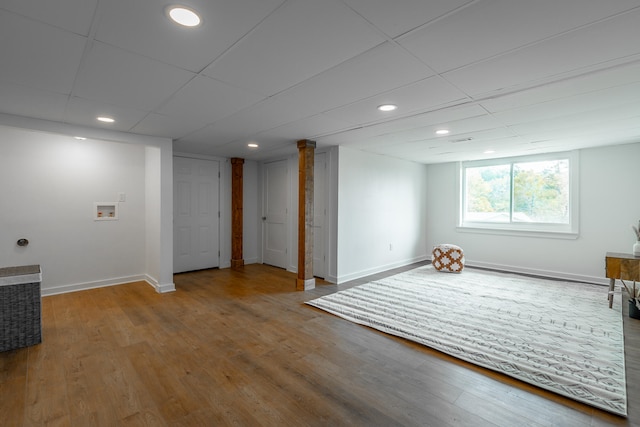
[556, 231]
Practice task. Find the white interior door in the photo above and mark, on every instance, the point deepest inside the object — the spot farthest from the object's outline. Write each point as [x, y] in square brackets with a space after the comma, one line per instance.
[275, 214]
[196, 214]
[319, 213]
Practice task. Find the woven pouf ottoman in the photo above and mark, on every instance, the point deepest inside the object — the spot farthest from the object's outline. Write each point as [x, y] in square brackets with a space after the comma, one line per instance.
[448, 258]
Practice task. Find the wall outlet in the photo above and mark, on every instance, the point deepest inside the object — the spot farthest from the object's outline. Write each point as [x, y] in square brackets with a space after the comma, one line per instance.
[122, 197]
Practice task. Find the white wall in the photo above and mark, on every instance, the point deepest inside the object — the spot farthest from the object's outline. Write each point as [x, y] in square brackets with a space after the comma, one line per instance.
[609, 205]
[381, 211]
[49, 182]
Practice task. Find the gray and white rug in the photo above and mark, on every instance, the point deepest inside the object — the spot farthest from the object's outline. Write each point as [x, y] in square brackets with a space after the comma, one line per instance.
[560, 336]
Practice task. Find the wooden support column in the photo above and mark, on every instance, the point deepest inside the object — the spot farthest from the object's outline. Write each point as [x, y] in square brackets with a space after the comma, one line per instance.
[236, 212]
[305, 278]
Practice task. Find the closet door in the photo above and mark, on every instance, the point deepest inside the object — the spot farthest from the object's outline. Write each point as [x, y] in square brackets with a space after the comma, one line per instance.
[196, 230]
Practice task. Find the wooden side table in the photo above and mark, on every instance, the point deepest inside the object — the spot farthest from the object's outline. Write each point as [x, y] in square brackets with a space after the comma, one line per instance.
[621, 266]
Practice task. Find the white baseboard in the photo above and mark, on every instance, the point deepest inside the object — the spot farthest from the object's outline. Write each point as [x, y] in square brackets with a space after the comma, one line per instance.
[46, 291]
[380, 269]
[64, 289]
[538, 272]
[160, 288]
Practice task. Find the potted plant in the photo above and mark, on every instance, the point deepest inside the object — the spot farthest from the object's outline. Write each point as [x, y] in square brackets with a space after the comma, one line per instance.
[634, 299]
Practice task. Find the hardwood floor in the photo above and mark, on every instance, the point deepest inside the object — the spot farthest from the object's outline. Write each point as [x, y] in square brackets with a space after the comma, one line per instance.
[240, 348]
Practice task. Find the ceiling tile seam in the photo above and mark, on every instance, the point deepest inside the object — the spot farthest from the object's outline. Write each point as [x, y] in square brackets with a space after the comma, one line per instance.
[442, 74]
[45, 23]
[434, 20]
[240, 39]
[90, 38]
[539, 41]
[571, 77]
[559, 78]
[397, 118]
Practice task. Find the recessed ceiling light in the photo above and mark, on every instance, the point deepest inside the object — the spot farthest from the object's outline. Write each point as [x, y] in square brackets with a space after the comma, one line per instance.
[387, 107]
[252, 145]
[80, 138]
[105, 119]
[442, 131]
[489, 151]
[184, 16]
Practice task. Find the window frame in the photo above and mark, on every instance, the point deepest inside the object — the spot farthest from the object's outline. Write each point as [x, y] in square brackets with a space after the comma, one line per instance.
[551, 230]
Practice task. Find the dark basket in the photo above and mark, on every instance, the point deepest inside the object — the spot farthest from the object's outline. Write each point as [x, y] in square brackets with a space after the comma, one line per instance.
[20, 318]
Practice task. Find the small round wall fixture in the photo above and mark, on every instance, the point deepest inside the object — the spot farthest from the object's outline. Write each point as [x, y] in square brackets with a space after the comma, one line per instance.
[184, 16]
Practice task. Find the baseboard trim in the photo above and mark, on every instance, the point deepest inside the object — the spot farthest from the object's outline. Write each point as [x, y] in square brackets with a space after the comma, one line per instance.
[161, 288]
[64, 289]
[550, 274]
[376, 270]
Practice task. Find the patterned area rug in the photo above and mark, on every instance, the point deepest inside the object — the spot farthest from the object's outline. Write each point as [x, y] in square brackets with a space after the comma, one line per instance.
[560, 336]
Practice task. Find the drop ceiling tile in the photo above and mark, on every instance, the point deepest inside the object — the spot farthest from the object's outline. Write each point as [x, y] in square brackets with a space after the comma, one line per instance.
[587, 102]
[378, 70]
[118, 77]
[210, 136]
[400, 16]
[420, 96]
[84, 112]
[298, 41]
[488, 28]
[407, 124]
[37, 55]
[306, 128]
[597, 119]
[142, 27]
[588, 49]
[208, 100]
[595, 82]
[168, 126]
[30, 102]
[72, 15]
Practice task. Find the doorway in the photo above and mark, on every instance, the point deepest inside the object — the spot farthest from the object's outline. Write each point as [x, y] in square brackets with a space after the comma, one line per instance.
[196, 214]
[275, 213]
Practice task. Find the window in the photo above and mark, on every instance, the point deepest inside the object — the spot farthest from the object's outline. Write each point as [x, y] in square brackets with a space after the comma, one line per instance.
[524, 195]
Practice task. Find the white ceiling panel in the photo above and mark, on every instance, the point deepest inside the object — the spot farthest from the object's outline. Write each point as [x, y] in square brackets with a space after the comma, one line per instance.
[298, 41]
[307, 128]
[522, 76]
[607, 41]
[72, 15]
[403, 125]
[38, 55]
[142, 27]
[168, 126]
[380, 69]
[594, 119]
[477, 31]
[30, 102]
[594, 82]
[122, 78]
[400, 16]
[588, 102]
[208, 100]
[416, 97]
[84, 112]
[211, 136]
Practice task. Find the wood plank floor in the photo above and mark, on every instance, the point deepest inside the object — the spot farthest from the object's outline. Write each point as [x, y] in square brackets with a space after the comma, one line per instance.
[240, 348]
